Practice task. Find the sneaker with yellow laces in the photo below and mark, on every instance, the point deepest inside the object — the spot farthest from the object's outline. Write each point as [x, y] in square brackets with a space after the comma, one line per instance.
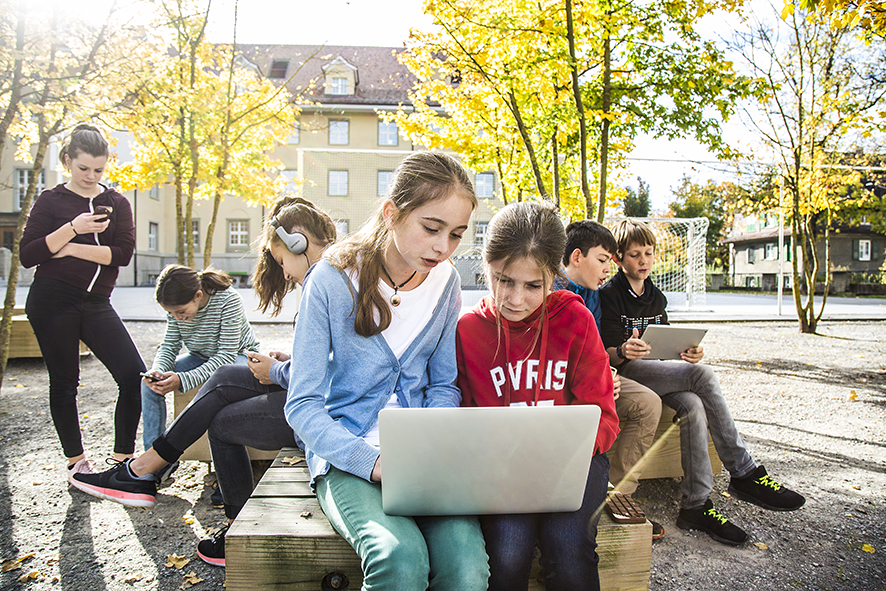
[759, 488]
[708, 520]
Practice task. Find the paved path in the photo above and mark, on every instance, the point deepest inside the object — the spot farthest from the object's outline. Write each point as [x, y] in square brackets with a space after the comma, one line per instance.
[137, 303]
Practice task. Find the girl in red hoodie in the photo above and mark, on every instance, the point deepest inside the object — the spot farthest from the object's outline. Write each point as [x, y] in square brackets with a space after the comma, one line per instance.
[526, 345]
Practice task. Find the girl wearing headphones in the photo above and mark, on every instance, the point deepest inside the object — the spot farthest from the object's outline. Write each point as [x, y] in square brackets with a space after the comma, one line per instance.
[239, 405]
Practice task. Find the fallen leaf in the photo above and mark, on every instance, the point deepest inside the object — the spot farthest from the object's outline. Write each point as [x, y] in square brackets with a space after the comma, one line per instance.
[37, 482]
[853, 395]
[291, 460]
[856, 487]
[133, 578]
[34, 574]
[868, 548]
[761, 545]
[49, 467]
[189, 519]
[848, 515]
[191, 579]
[10, 565]
[307, 515]
[19, 386]
[860, 510]
[726, 494]
[176, 561]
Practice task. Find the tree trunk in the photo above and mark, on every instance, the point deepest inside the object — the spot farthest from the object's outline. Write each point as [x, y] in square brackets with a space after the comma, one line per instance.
[579, 106]
[527, 143]
[604, 131]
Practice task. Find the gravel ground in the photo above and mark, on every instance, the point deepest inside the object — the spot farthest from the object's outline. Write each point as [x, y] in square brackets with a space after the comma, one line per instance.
[811, 408]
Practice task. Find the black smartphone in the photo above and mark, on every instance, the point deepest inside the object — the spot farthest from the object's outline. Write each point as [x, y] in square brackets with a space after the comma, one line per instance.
[103, 209]
[150, 377]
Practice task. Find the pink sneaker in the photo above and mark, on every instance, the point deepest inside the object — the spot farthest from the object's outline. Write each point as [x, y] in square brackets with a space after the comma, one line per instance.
[83, 466]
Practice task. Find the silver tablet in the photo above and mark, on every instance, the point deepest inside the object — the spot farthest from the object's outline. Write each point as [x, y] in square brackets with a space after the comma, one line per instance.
[668, 342]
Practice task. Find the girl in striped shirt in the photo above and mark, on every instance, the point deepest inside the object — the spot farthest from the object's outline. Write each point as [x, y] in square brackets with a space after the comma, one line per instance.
[206, 316]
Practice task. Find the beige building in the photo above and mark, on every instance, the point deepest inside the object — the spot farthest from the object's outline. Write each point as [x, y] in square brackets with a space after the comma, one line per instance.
[341, 151]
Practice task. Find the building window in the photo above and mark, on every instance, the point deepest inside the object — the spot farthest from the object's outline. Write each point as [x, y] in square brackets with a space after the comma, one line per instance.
[341, 228]
[22, 180]
[195, 232]
[384, 181]
[153, 235]
[752, 255]
[338, 183]
[771, 252]
[278, 69]
[238, 233]
[480, 233]
[294, 137]
[338, 133]
[8, 238]
[861, 250]
[154, 193]
[484, 185]
[338, 86]
[387, 133]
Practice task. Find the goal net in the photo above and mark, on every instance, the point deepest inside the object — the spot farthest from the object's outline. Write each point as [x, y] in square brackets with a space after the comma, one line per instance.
[679, 269]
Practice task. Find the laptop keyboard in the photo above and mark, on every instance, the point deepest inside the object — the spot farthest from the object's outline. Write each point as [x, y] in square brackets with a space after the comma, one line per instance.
[623, 508]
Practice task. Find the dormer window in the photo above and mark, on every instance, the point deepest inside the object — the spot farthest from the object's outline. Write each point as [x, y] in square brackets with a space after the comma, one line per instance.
[338, 86]
[278, 69]
[340, 77]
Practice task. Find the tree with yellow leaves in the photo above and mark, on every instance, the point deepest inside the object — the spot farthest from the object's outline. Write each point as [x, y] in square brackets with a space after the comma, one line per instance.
[538, 91]
[203, 120]
[825, 98]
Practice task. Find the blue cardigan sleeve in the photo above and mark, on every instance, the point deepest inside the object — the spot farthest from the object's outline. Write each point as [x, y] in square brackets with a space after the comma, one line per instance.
[305, 407]
[442, 389]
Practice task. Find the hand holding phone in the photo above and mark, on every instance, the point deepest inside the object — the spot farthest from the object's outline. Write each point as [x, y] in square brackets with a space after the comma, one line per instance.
[149, 376]
[105, 210]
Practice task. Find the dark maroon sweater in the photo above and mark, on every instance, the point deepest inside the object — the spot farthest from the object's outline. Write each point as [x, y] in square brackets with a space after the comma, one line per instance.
[56, 207]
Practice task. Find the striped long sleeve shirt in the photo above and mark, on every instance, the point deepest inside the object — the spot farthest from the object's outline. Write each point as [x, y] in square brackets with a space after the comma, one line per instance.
[219, 332]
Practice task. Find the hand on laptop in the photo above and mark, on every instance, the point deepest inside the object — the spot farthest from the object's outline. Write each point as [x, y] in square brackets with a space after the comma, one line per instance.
[693, 355]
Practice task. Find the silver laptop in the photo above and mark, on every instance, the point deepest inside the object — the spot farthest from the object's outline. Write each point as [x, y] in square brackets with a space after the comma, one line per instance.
[477, 461]
[668, 341]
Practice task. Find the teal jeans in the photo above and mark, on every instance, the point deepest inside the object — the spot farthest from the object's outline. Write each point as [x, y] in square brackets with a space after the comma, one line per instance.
[403, 553]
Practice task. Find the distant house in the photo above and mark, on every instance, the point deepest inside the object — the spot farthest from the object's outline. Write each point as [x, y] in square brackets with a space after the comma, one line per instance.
[754, 254]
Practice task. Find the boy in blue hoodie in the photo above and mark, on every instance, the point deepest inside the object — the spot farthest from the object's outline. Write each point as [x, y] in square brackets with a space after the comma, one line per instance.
[586, 261]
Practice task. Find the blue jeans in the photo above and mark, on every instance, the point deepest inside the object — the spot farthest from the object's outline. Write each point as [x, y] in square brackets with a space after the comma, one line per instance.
[568, 542]
[154, 405]
[693, 391]
[403, 553]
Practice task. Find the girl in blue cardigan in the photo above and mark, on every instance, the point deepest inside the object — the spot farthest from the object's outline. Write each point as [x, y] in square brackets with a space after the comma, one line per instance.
[377, 319]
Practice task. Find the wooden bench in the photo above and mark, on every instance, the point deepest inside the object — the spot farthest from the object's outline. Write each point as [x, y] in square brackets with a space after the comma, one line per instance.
[664, 459]
[199, 451]
[281, 540]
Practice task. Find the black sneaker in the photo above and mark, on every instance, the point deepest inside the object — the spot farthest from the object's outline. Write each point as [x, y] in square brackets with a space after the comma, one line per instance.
[212, 551]
[758, 488]
[118, 485]
[706, 519]
[164, 474]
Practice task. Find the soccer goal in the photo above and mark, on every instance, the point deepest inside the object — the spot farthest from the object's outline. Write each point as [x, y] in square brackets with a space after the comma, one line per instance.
[679, 269]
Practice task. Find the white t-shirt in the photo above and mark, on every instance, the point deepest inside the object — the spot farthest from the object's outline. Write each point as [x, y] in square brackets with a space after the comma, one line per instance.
[408, 320]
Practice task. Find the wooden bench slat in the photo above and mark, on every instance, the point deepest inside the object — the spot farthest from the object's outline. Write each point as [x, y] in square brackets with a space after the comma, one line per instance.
[271, 546]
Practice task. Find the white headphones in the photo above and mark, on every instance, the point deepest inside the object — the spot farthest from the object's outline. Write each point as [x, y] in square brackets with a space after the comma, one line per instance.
[297, 243]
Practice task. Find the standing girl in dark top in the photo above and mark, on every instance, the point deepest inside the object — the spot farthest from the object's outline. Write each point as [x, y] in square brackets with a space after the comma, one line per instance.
[79, 234]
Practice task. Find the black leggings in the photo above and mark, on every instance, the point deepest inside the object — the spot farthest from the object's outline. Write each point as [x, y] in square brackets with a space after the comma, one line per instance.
[62, 315]
[237, 411]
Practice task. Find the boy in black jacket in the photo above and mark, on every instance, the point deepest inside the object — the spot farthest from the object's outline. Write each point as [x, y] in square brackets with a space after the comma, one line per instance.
[630, 302]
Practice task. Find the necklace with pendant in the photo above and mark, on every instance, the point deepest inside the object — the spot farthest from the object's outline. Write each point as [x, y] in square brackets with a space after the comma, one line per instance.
[395, 299]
